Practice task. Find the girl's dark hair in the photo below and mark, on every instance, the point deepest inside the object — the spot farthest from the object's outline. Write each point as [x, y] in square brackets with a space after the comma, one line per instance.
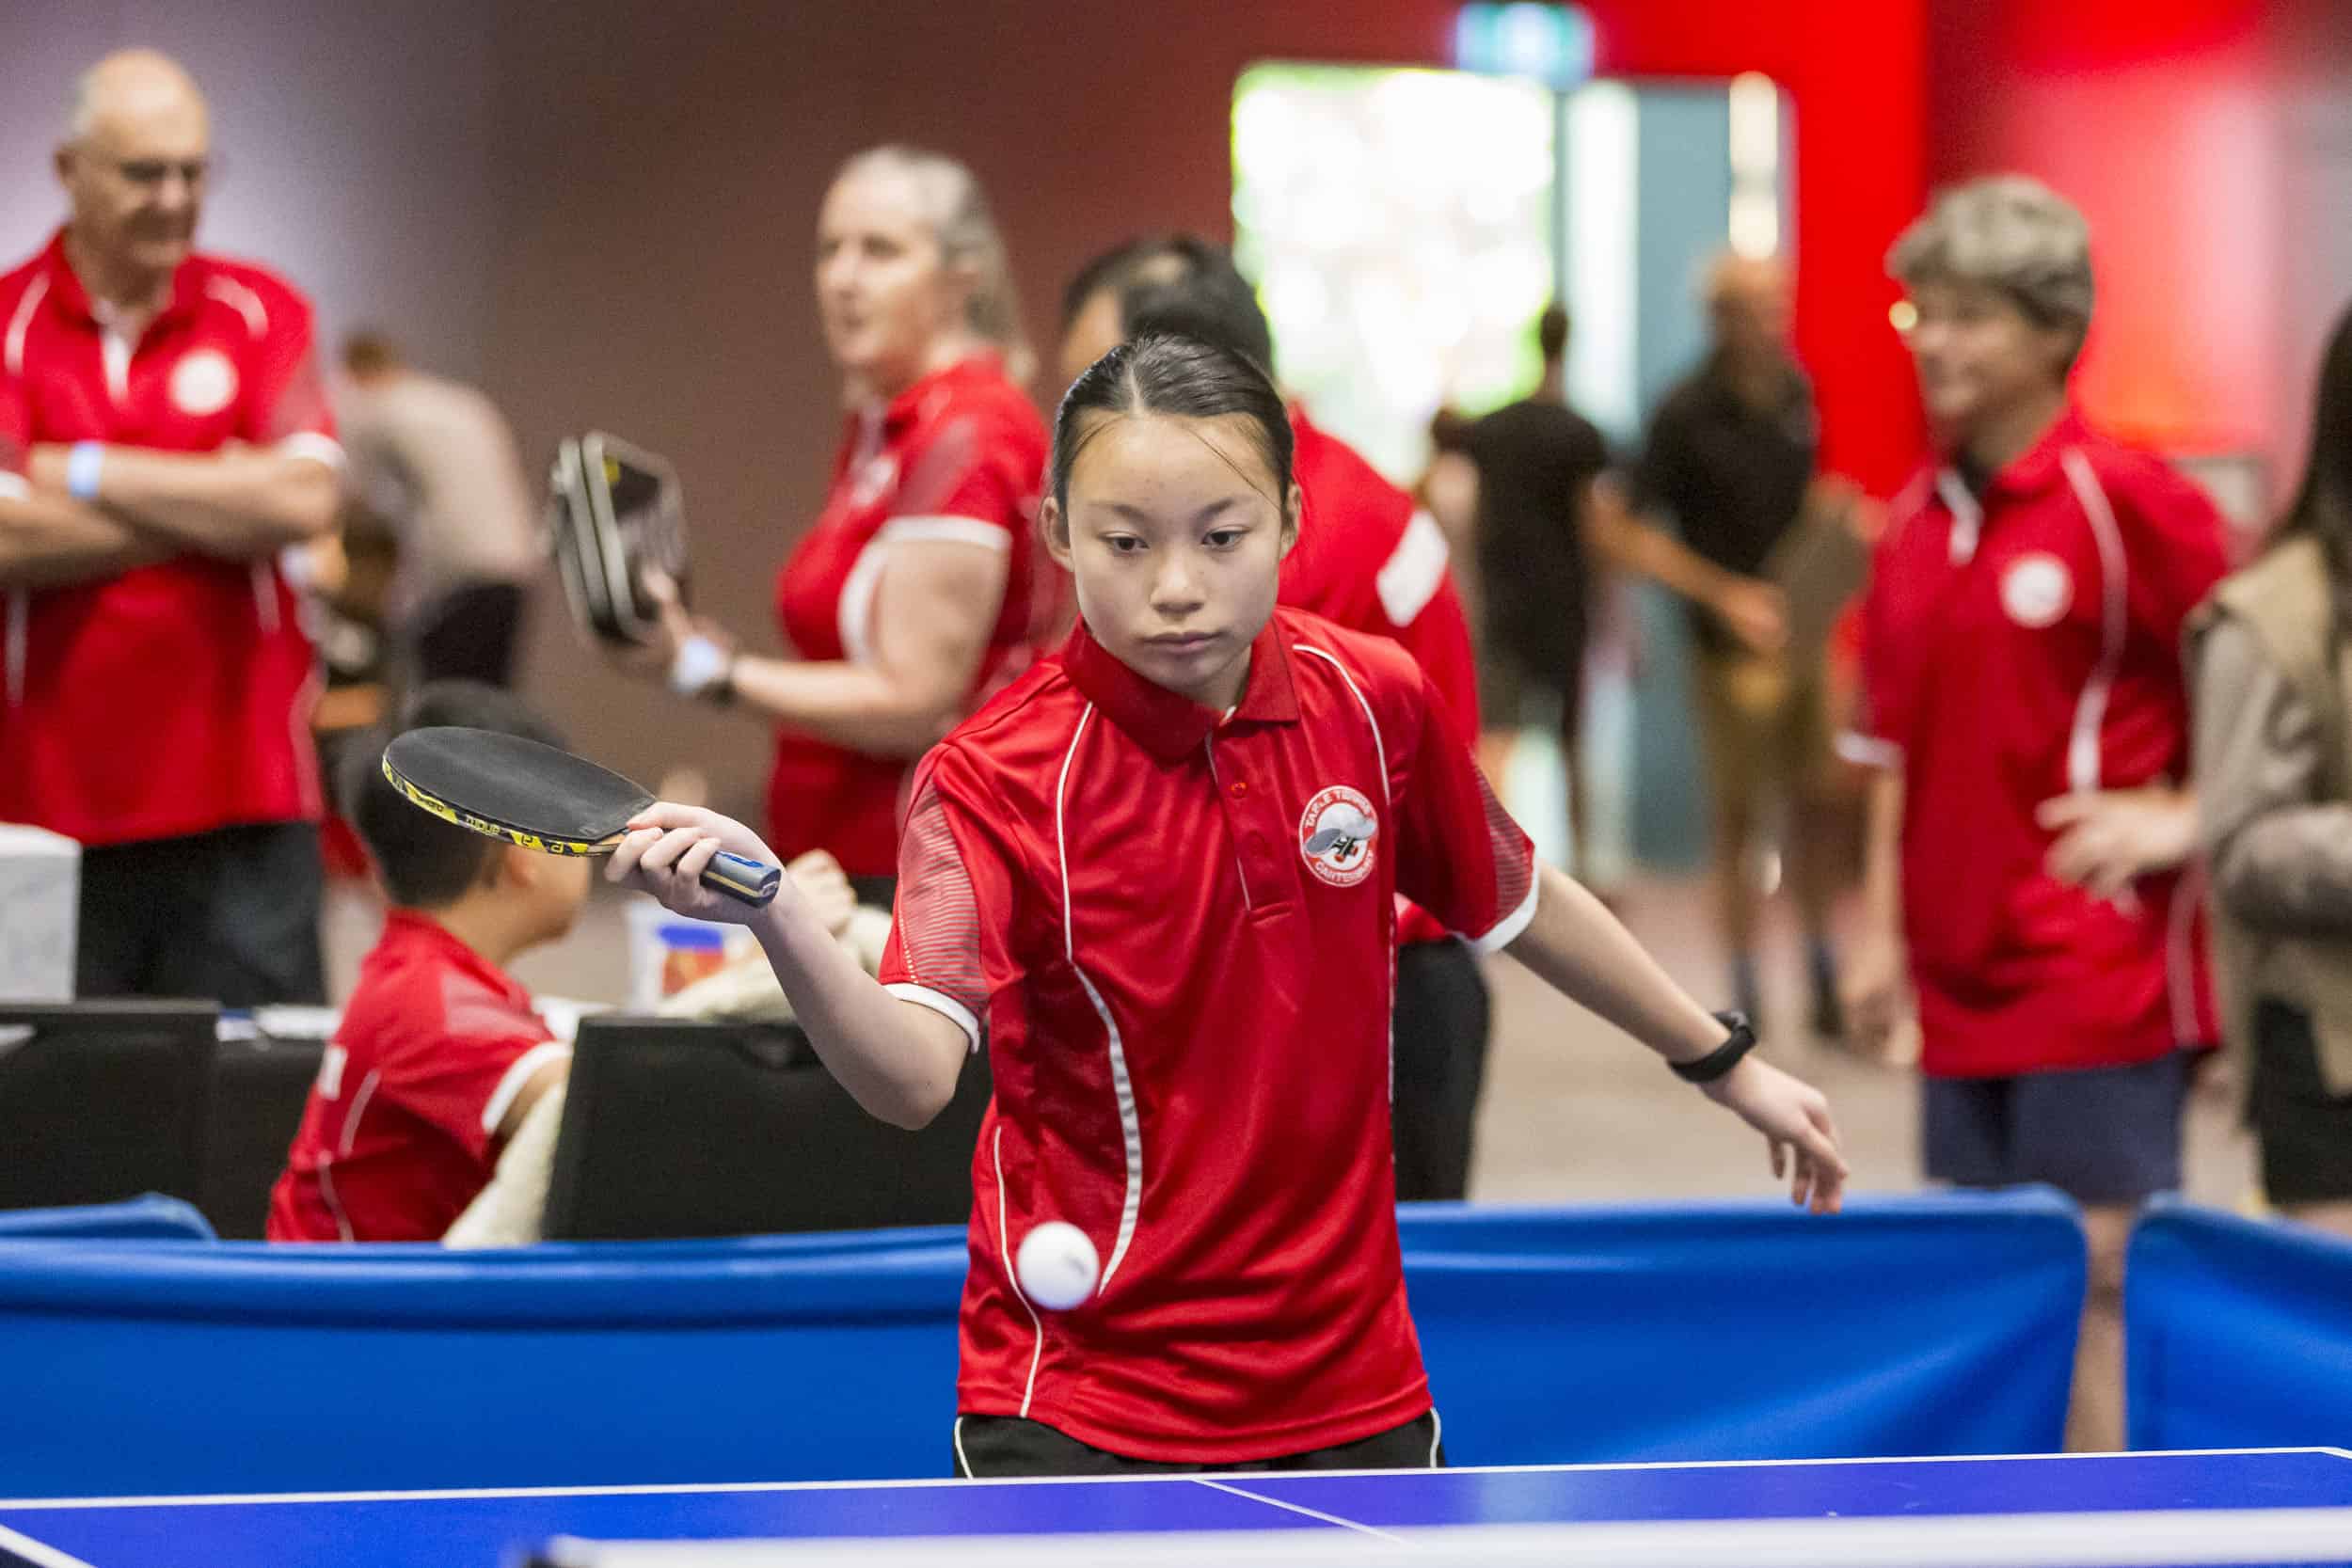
[2322, 507]
[1162, 373]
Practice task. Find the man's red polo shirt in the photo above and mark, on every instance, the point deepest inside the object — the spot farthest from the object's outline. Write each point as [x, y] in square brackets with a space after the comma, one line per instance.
[173, 698]
[2022, 644]
[1175, 935]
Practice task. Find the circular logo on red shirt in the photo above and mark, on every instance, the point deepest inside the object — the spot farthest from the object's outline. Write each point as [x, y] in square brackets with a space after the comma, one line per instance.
[2037, 589]
[1335, 835]
[202, 383]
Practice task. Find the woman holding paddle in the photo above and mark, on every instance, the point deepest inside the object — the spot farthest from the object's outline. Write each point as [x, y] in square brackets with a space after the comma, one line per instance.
[911, 595]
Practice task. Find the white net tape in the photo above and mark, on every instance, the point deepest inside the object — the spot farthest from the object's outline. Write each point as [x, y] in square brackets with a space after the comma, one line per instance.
[2154, 1539]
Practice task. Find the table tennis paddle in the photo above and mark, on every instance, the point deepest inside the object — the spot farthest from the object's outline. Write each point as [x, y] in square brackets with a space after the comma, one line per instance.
[506, 787]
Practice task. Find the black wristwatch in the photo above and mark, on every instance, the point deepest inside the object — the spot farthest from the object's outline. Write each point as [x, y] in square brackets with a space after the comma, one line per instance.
[720, 691]
[1725, 1057]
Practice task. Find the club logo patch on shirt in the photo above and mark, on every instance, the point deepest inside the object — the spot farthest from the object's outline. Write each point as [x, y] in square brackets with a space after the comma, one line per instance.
[1335, 835]
[2037, 591]
[202, 383]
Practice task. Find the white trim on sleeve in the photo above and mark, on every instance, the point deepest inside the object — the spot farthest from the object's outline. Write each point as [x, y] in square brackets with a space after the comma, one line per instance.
[942, 1004]
[22, 320]
[947, 530]
[12, 486]
[516, 1076]
[1506, 931]
[317, 448]
[1414, 571]
[242, 300]
[1868, 751]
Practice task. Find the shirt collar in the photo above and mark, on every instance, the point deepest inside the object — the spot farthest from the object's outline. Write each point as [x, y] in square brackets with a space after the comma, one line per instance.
[1715, 377]
[417, 926]
[2036, 469]
[908, 405]
[67, 293]
[1167, 723]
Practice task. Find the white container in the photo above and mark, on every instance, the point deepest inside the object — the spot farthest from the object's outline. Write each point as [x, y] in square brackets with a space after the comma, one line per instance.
[41, 892]
[668, 952]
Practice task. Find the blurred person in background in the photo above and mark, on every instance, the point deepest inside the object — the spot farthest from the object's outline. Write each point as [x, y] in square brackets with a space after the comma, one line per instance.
[1537, 459]
[440, 1057]
[1448, 491]
[1730, 461]
[434, 465]
[163, 440]
[2026, 709]
[1369, 559]
[916, 592]
[2274, 792]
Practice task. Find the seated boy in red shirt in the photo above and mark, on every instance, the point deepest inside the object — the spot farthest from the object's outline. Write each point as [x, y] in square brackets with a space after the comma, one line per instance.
[439, 1057]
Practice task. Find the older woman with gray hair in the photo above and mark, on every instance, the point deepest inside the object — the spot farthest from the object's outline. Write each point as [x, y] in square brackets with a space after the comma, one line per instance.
[913, 594]
[2024, 708]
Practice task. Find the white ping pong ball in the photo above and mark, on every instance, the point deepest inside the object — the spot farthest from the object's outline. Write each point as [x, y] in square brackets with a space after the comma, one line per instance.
[1056, 1266]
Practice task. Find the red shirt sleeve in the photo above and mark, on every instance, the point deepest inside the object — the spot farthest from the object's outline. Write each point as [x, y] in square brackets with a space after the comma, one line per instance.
[2177, 547]
[467, 1082]
[1459, 853]
[962, 484]
[284, 395]
[946, 949]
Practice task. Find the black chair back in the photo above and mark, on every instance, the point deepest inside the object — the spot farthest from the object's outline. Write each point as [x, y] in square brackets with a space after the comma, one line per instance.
[675, 1130]
[260, 1086]
[102, 1100]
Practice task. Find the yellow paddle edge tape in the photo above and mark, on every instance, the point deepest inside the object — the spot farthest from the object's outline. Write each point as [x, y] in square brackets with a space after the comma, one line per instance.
[483, 825]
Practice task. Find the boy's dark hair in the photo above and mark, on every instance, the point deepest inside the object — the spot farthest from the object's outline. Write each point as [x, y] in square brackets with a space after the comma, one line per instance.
[426, 863]
[1182, 376]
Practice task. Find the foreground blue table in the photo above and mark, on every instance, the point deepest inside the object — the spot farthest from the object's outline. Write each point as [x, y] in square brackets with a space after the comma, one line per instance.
[2237, 1490]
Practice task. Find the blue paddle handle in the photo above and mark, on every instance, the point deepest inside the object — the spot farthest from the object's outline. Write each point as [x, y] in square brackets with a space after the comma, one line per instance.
[739, 877]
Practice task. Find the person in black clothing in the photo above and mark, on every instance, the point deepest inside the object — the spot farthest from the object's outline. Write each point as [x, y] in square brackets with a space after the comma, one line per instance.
[1537, 459]
[1730, 461]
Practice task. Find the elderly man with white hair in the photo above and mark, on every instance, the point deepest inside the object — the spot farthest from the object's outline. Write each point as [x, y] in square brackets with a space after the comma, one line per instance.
[163, 438]
[2025, 706]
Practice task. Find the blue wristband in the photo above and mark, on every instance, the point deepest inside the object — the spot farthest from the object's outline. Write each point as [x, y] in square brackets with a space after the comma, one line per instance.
[82, 467]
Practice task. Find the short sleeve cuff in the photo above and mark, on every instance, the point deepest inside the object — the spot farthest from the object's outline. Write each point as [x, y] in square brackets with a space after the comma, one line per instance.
[948, 530]
[12, 486]
[530, 1061]
[317, 448]
[1506, 931]
[942, 1004]
[1868, 751]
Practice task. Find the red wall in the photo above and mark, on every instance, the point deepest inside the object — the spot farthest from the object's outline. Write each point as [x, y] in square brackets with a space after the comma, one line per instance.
[2210, 144]
[1856, 71]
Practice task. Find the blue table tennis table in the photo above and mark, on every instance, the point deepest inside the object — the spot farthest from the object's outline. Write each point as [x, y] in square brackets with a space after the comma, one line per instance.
[2267, 1505]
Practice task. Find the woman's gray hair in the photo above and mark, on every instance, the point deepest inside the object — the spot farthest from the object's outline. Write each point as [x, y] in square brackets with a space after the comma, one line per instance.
[968, 237]
[2008, 232]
